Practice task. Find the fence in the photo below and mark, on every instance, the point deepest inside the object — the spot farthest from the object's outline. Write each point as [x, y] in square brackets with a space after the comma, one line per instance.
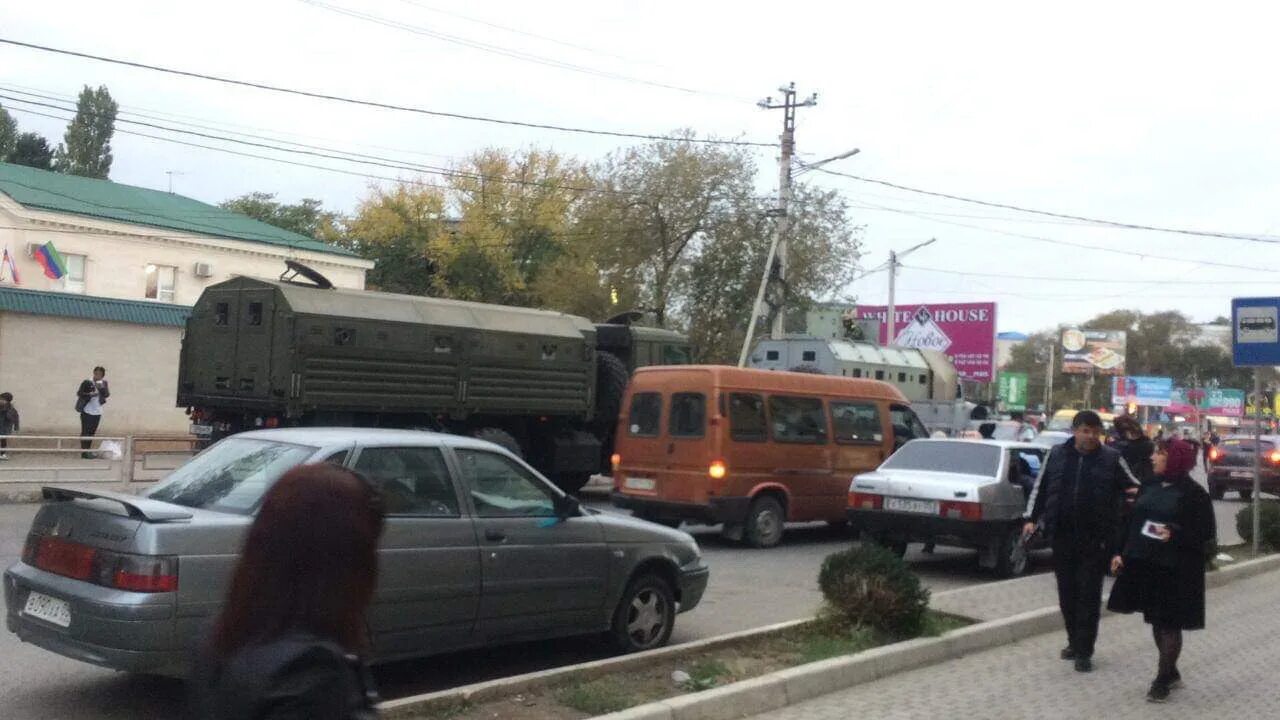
[56, 459]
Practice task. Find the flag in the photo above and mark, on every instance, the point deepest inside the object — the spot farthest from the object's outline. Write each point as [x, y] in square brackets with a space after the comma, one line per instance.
[51, 260]
[7, 262]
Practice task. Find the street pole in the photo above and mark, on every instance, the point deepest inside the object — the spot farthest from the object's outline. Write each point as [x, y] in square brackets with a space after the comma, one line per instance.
[1257, 458]
[891, 309]
[788, 108]
[1048, 382]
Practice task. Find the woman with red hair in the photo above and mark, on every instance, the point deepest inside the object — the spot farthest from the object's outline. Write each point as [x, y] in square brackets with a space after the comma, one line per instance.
[291, 638]
[1161, 561]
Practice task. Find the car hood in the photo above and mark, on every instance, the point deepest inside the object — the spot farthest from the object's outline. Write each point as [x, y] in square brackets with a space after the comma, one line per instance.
[624, 529]
[922, 484]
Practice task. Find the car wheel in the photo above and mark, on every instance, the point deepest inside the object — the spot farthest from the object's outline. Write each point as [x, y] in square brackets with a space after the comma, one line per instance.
[897, 547]
[1246, 495]
[645, 616]
[765, 521]
[1217, 492]
[1011, 555]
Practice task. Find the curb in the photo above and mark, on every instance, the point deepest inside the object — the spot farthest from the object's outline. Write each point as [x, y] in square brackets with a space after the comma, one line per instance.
[784, 687]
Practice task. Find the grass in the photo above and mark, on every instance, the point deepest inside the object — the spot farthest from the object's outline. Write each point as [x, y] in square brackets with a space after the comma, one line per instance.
[598, 697]
[706, 674]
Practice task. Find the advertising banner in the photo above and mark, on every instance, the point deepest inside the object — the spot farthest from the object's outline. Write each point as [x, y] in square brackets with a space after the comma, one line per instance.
[1142, 390]
[1215, 401]
[1096, 351]
[965, 332]
[1011, 390]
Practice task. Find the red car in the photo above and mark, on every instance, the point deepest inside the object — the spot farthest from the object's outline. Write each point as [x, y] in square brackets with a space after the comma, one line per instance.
[1231, 466]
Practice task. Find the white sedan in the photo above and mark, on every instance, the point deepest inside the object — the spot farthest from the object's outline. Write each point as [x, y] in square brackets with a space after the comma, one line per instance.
[967, 493]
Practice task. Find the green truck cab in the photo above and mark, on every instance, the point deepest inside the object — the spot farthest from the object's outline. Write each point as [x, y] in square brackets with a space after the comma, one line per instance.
[278, 353]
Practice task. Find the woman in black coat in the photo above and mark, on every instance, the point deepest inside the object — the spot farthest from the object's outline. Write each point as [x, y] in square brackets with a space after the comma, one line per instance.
[1161, 561]
[291, 640]
[1135, 447]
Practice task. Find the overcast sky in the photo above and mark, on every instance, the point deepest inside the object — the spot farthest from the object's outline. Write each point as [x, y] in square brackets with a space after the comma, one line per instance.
[1138, 112]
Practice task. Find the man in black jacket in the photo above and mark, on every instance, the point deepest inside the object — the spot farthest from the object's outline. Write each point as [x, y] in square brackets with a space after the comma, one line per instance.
[1077, 501]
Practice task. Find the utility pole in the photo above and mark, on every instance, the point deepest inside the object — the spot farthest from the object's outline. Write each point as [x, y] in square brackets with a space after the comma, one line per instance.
[171, 173]
[788, 107]
[1048, 380]
[893, 275]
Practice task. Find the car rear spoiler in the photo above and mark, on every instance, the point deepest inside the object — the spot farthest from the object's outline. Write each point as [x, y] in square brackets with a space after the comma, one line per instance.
[138, 508]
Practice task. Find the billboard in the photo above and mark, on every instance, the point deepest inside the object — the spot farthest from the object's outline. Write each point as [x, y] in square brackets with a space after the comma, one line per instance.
[1011, 390]
[1093, 351]
[1223, 402]
[965, 332]
[1142, 390]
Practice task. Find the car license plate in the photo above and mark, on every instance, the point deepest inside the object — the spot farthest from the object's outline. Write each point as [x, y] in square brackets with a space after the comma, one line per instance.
[49, 609]
[924, 507]
[1241, 474]
[201, 429]
[635, 483]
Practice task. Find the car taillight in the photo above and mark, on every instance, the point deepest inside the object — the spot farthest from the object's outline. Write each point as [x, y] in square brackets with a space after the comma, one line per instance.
[865, 501]
[960, 510]
[1215, 454]
[718, 470]
[615, 461]
[123, 571]
[1274, 457]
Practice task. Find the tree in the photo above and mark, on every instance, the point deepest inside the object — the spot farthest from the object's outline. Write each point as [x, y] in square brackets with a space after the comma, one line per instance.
[513, 210]
[395, 228]
[32, 150]
[305, 218]
[86, 146]
[8, 134]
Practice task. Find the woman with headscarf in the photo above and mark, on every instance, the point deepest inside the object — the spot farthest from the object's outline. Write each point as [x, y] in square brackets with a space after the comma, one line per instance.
[1135, 447]
[1161, 560]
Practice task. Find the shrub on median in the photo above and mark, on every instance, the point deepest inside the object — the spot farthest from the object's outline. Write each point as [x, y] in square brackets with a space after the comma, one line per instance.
[870, 586]
[1269, 523]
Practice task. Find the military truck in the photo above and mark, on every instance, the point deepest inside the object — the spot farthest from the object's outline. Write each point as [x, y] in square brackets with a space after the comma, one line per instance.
[298, 351]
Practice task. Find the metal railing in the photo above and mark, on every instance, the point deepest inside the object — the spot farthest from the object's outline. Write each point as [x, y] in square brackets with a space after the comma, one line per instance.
[52, 459]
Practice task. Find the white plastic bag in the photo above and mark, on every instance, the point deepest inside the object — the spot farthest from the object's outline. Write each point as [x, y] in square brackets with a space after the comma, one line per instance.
[111, 450]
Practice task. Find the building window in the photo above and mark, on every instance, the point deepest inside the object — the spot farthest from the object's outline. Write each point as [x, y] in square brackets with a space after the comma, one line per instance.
[809, 356]
[771, 355]
[161, 280]
[902, 377]
[879, 374]
[73, 281]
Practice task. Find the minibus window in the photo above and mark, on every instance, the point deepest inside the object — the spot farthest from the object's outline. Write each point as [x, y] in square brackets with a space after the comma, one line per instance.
[688, 415]
[746, 417]
[646, 414]
[798, 420]
[856, 422]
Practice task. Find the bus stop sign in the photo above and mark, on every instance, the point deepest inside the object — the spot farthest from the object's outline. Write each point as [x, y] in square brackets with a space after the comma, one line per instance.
[1255, 331]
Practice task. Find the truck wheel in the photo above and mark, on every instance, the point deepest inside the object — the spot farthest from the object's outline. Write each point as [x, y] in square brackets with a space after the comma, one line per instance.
[501, 438]
[645, 615]
[1011, 555]
[571, 483]
[765, 521]
[611, 384]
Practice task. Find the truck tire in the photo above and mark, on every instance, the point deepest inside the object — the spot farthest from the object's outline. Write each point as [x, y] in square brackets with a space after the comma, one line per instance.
[611, 383]
[501, 438]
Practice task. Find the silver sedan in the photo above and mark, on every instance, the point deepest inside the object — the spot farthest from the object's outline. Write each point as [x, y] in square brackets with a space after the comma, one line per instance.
[479, 549]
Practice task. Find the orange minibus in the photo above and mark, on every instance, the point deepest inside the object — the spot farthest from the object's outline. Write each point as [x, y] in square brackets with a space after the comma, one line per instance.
[751, 449]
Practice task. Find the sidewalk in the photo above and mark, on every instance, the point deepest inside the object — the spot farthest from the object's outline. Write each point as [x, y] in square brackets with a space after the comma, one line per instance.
[1229, 671]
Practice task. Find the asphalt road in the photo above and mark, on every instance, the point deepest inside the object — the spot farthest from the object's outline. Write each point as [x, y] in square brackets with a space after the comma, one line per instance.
[748, 589]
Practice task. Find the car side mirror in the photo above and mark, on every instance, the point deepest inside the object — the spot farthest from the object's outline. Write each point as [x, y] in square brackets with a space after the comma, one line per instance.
[568, 506]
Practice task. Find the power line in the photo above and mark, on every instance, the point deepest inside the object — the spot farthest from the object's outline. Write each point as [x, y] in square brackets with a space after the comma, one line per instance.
[1062, 216]
[505, 52]
[376, 104]
[921, 215]
[1102, 281]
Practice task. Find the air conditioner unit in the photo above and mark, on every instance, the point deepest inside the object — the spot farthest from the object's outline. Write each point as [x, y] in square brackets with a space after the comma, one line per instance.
[203, 270]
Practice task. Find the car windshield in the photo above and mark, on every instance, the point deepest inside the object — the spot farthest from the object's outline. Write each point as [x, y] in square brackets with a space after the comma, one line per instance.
[949, 457]
[232, 476]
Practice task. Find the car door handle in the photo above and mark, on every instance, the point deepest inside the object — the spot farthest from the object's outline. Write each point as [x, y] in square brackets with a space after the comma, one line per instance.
[495, 536]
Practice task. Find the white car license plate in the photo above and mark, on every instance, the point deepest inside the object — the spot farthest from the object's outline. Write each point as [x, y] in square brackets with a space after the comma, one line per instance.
[1241, 474]
[49, 609]
[635, 483]
[924, 507]
[201, 429]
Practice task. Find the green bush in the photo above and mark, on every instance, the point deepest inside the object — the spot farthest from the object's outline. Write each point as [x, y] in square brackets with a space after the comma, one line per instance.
[1270, 524]
[869, 586]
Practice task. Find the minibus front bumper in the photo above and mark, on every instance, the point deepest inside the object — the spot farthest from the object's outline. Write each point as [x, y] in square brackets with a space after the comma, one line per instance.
[713, 512]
